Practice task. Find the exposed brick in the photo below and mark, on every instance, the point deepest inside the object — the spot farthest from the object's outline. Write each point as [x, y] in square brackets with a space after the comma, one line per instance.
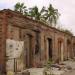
[15, 26]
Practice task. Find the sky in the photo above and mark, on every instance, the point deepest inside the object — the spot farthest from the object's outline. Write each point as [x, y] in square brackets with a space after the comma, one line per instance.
[65, 7]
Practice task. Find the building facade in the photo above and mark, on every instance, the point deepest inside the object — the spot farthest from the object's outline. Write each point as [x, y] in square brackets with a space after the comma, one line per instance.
[29, 43]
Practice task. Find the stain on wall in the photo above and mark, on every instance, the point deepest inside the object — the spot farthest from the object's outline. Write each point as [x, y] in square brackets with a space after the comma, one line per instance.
[13, 52]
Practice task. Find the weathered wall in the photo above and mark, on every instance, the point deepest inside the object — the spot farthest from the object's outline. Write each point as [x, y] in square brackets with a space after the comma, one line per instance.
[23, 27]
[14, 51]
[35, 36]
[3, 30]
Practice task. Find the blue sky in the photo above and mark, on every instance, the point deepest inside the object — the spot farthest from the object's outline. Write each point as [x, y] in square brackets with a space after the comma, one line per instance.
[66, 9]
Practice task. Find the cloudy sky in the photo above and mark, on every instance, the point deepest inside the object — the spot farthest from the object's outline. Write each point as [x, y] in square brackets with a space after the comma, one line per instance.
[66, 9]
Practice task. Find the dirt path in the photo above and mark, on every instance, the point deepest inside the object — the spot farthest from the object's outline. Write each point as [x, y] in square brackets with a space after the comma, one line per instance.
[70, 73]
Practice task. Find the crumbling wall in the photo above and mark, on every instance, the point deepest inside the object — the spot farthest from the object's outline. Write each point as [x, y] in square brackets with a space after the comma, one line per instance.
[25, 29]
[14, 51]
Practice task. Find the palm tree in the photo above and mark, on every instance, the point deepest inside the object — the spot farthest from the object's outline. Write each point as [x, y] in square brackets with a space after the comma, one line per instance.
[20, 8]
[51, 15]
[35, 13]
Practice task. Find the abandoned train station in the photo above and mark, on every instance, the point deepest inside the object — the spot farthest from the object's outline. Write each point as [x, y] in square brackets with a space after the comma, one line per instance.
[26, 43]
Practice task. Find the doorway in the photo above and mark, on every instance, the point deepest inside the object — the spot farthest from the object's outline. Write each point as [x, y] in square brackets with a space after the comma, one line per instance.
[74, 49]
[49, 48]
[68, 48]
[60, 51]
[28, 47]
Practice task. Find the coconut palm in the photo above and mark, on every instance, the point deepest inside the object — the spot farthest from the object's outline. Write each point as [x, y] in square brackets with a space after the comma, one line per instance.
[20, 7]
[51, 15]
[35, 13]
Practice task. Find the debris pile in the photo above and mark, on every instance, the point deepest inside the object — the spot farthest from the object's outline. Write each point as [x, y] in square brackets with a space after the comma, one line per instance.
[53, 69]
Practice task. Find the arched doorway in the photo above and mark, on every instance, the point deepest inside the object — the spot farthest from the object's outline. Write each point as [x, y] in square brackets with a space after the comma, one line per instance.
[49, 48]
[74, 49]
[68, 48]
[60, 49]
[28, 37]
[28, 50]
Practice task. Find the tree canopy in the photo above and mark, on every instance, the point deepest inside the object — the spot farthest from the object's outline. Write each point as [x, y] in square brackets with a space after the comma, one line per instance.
[49, 15]
[20, 7]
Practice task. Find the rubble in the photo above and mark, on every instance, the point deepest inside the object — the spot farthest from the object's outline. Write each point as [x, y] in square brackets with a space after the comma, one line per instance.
[55, 69]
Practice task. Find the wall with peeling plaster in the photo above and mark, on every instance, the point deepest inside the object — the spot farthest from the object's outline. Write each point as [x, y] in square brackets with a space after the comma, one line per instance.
[26, 40]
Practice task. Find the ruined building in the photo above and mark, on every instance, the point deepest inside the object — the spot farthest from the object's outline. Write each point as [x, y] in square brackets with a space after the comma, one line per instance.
[26, 43]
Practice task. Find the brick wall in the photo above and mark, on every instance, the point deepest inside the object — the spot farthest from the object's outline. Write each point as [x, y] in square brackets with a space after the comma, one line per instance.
[15, 26]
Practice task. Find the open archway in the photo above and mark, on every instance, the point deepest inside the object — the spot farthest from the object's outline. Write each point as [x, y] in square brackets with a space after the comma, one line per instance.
[74, 49]
[68, 48]
[29, 44]
[60, 49]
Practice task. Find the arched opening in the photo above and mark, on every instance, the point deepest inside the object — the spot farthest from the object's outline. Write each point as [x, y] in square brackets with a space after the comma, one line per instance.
[28, 48]
[60, 50]
[74, 49]
[49, 48]
[28, 37]
[68, 48]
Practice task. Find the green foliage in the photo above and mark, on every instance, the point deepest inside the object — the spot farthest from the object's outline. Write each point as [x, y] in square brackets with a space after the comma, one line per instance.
[49, 15]
[48, 64]
[20, 7]
[48, 68]
[67, 31]
[35, 13]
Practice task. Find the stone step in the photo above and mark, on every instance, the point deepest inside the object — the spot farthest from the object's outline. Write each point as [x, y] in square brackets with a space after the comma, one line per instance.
[32, 71]
[36, 71]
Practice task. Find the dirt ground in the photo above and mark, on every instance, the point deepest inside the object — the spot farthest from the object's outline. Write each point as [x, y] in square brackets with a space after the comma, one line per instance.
[67, 69]
[70, 73]
[72, 64]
